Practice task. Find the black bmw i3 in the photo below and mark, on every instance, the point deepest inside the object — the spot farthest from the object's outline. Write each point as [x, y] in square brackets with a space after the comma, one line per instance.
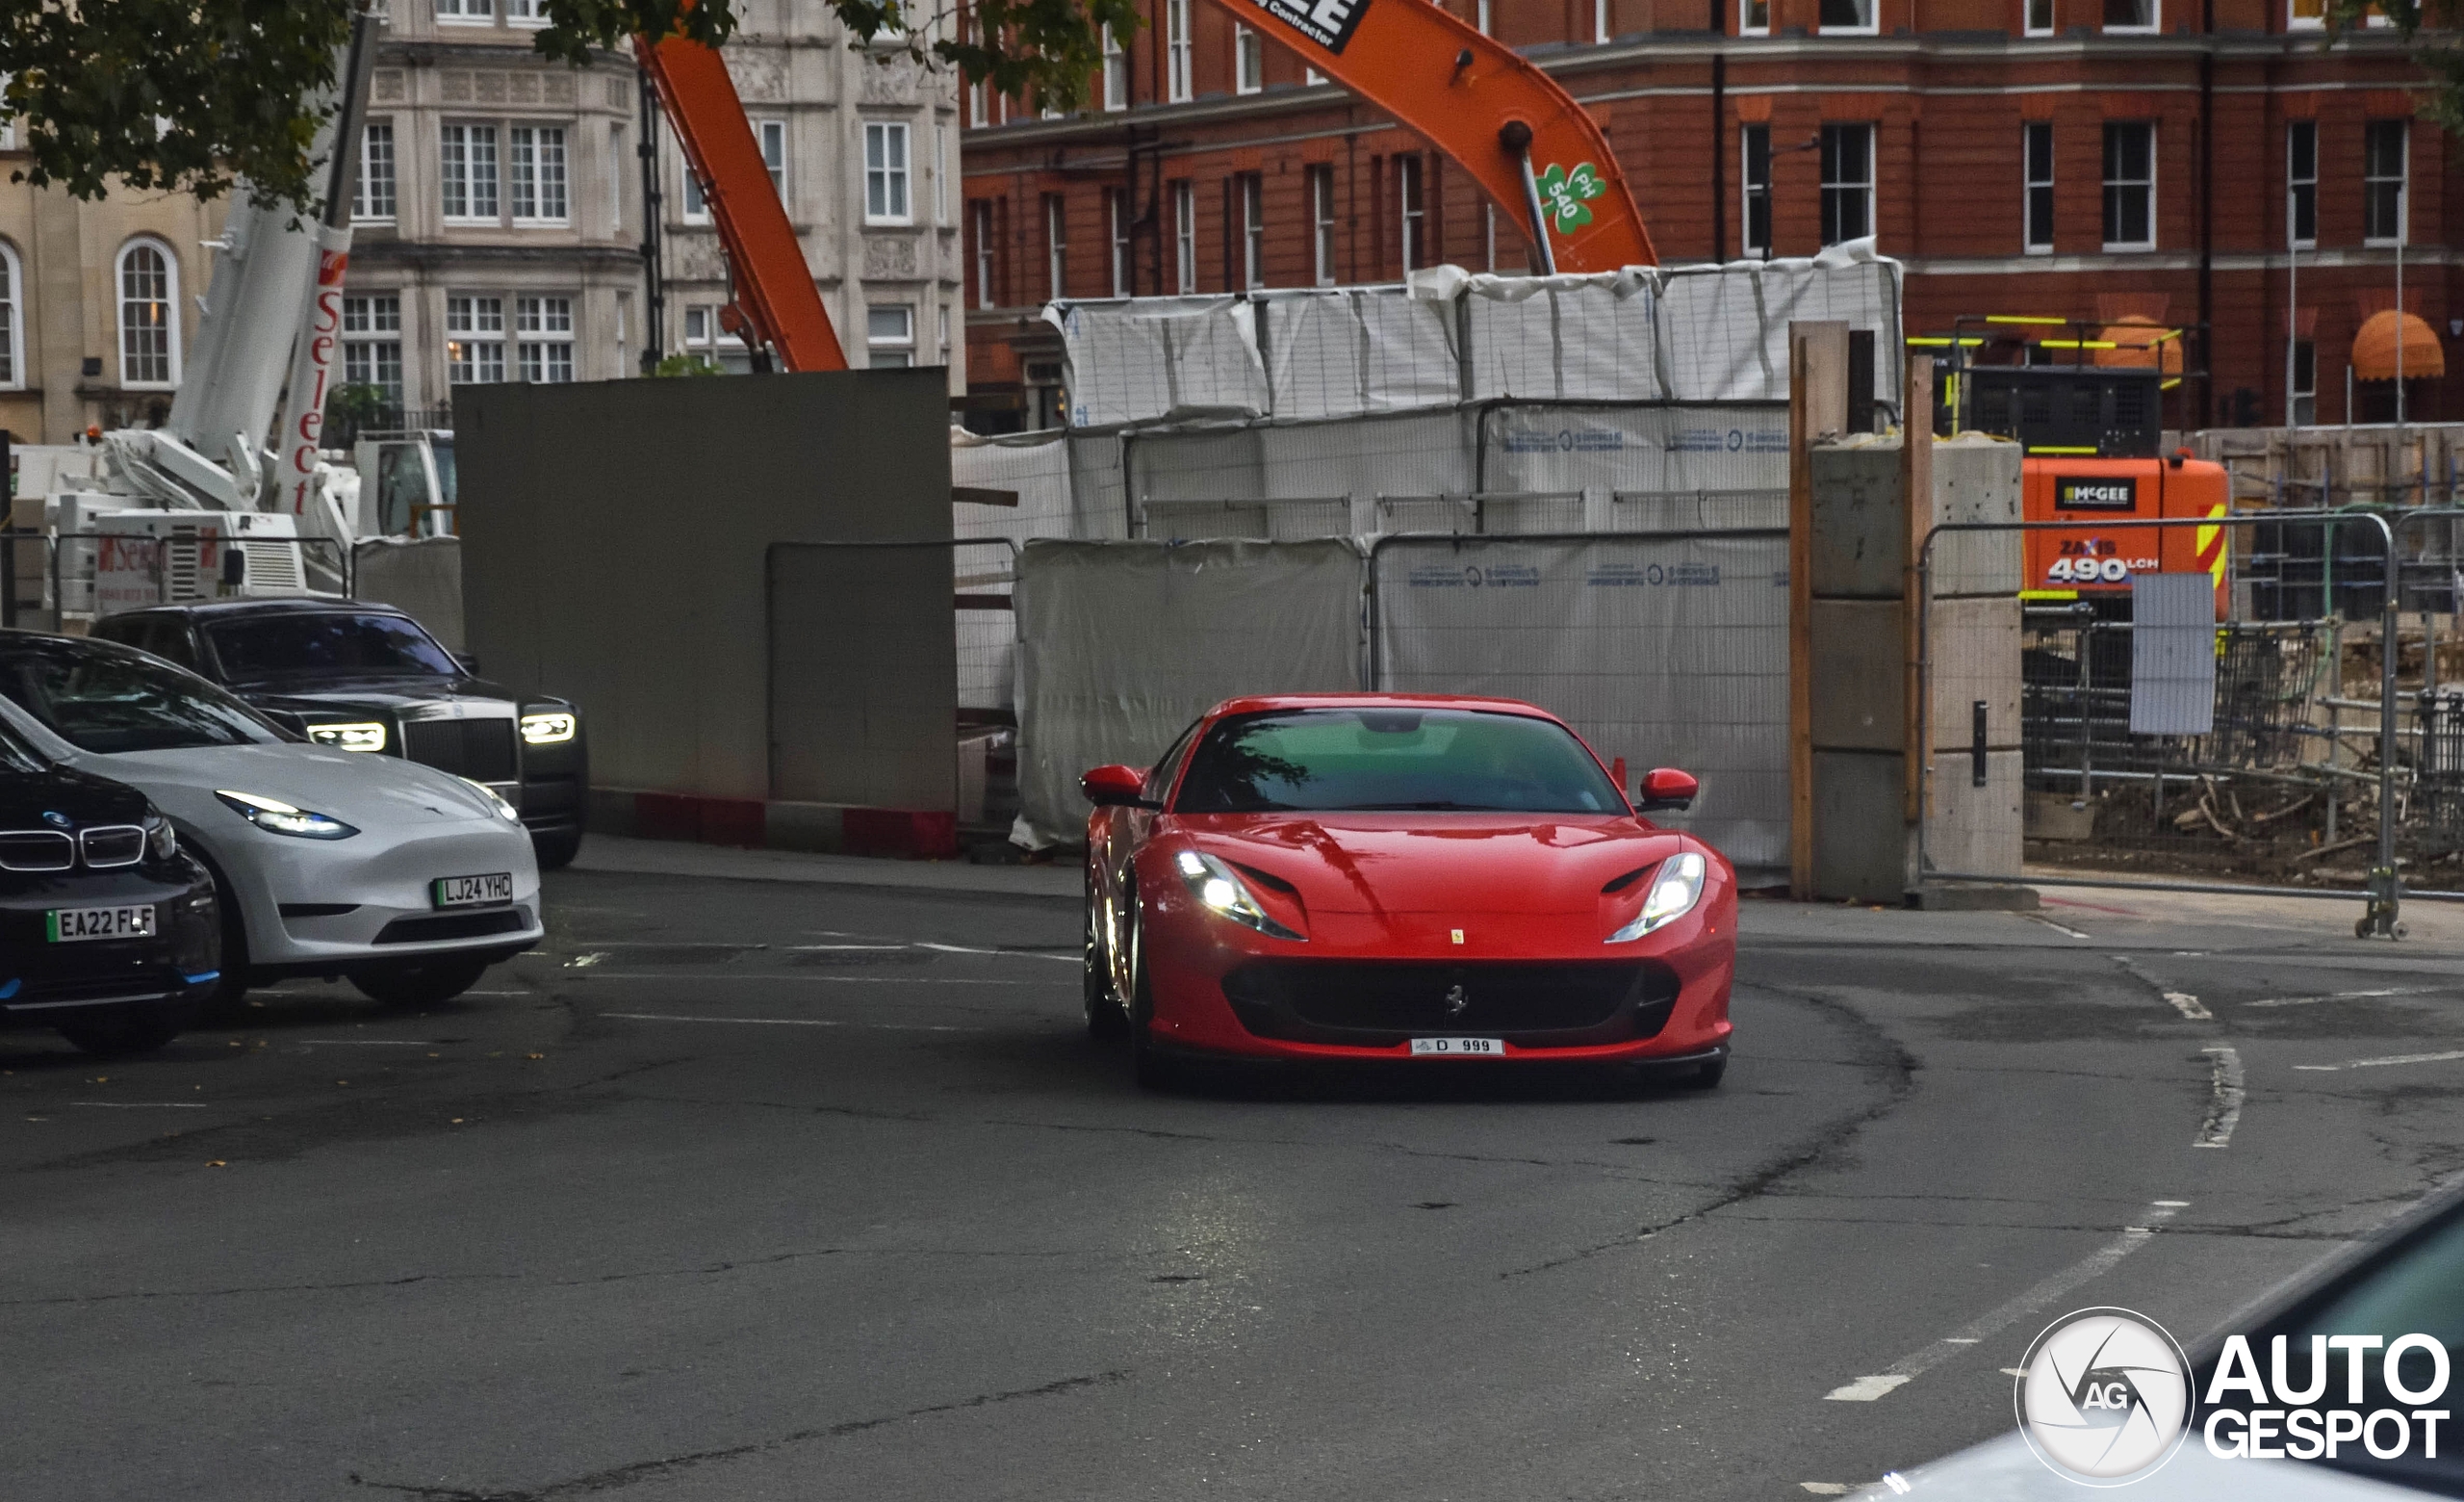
[108, 931]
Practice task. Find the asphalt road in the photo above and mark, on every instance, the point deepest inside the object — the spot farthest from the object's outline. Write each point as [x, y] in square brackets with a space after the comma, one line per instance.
[750, 1189]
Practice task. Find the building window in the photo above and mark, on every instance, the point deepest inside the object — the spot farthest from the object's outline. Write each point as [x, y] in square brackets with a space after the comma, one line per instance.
[2132, 16]
[707, 339]
[544, 344]
[1322, 224]
[466, 13]
[940, 172]
[373, 342]
[985, 293]
[371, 197]
[697, 209]
[2130, 184]
[772, 137]
[473, 340]
[1756, 178]
[526, 12]
[885, 199]
[469, 158]
[2301, 183]
[2304, 357]
[1184, 239]
[1176, 50]
[1408, 189]
[149, 299]
[536, 154]
[2382, 183]
[1754, 17]
[2038, 147]
[1852, 16]
[13, 321]
[1847, 182]
[889, 336]
[1115, 72]
[1248, 59]
[1056, 245]
[1116, 219]
[2306, 14]
[1253, 230]
[2039, 21]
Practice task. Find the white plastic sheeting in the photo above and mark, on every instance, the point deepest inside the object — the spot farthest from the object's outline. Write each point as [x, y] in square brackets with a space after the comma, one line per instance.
[1667, 652]
[1122, 644]
[1696, 333]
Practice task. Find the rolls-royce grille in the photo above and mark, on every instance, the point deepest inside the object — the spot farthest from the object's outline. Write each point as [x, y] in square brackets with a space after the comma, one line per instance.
[480, 749]
[1380, 1003]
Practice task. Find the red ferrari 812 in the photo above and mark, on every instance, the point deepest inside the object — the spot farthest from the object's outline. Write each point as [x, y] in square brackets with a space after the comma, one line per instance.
[1406, 877]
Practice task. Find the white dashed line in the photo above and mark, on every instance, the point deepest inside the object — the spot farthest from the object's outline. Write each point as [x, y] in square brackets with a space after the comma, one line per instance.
[2394, 1058]
[788, 1022]
[2072, 933]
[2224, 1105]
[144, 1106]
[2181, 1001]
[1827, 1489]
[1014, 954]
[371, 1042]
[2353, 996]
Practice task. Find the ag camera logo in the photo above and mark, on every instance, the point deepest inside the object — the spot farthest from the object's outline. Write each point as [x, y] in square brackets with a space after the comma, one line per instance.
[2104, 1396]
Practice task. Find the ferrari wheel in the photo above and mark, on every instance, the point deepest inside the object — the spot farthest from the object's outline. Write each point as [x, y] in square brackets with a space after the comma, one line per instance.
[1147, 1064]
[1104, 1019]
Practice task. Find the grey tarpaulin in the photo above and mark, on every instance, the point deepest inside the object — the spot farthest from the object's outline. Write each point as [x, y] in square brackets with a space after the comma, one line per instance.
[1122, 644]
[421, 575]
[2172, 654]
[1667, 652]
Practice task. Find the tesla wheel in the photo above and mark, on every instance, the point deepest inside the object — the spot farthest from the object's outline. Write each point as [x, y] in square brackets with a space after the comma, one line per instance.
[418, 982]
[119, 1036]
[556, 850]
[1147, 1064]
[1104, 1019]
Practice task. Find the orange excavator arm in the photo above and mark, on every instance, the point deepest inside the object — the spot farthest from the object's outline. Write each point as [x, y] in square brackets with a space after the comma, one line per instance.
[1536, 153]
[775, 302]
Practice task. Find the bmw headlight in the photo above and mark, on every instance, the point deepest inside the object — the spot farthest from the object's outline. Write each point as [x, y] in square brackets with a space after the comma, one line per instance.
[1676, 887]
[362, 736]
[546, 729]
[1221, 891]
[277, 818]
[504, 810]
[161, 841]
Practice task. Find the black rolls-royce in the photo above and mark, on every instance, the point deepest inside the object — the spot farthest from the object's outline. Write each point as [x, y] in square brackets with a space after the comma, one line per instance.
[364, 677]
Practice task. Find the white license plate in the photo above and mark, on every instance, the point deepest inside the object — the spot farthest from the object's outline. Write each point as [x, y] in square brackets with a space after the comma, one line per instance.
[70, 925]
[489, 891]
[1458, 1048]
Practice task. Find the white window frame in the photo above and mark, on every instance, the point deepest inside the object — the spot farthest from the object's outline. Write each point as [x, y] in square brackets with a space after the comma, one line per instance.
[2030, 185]
[1484, 16]
[1310, 77]
[1322, 222]
[13, 319]
[1248, 60]
[2293, 186]
[691, 207]
[1115, 72]
[1411, 208]
[1056, 245]
[550, 184]
[476, 308]
[543, 344]
[170, 304]
[2110, 183]
[366, 205]
[770, 135]
[466, 13]
[1600, 21]
[980, 211]
[706, 338]
[472, 134]
[2029, 23]
[1749, 192]
[1116, 225]
[2404, 181]
[1846, 186]
[2154, 23]
[897, 194]
[1253, 229]
[1185, 237]
[368, 319]
[1177, 51]
[890, 351]
[1754, 17]
[531, 13]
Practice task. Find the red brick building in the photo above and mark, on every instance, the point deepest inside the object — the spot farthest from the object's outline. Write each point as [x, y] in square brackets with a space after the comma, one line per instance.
[2089, 158]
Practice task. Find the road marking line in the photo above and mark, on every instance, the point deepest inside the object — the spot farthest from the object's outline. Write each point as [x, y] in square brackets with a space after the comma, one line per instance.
[376, 1042]
[819, 980]
[2056, 928]
[1017, 954]
[580, 960]
[802, 949]
[1914, 1364]
[2181, 1001]
[788, 1021]
[1827, 1489]
[144, 1106]
[2353, 996]
[2224, 1105]
[2399, 1058]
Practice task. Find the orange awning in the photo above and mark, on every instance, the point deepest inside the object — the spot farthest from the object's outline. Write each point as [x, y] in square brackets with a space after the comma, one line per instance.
[2373, 349]
[2140, 343]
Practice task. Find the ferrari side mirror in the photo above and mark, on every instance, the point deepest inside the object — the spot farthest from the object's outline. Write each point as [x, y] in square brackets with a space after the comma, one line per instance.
[1665, 788]
[1113, 787]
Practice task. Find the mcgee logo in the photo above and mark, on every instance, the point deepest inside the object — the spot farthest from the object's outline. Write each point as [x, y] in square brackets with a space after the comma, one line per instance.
[1329, 23]
[2095, 493]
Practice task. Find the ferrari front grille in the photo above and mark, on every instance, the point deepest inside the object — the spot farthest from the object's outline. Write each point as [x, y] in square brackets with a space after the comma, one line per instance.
[1378, 1003]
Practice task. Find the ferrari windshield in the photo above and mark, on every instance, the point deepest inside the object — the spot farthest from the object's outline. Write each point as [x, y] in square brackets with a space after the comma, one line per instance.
[1402, 758]
[104, 698]
[337, 644]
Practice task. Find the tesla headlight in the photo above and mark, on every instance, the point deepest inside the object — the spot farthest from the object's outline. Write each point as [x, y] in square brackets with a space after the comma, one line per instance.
[277, 818]
[505, 809]
[1676, 887]
[545, 730]
[362, 736]
[1222, 893]
[161, 841]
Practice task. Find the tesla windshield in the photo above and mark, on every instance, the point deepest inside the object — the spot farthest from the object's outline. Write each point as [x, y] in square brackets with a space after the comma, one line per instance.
[104, 699]
[336, 643]
[1366, 759]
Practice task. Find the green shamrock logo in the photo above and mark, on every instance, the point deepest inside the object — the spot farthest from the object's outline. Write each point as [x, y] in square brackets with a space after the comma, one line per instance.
[1563, 194]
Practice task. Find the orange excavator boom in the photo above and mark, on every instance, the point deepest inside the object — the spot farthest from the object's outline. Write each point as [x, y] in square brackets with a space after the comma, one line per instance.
[1536, 153]
[775, 302]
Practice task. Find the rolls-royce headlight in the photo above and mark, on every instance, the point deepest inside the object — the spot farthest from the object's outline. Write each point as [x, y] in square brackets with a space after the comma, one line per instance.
[361, 736]
[547, 729]
[1676, 887]
[277, 818]
[1221, 890]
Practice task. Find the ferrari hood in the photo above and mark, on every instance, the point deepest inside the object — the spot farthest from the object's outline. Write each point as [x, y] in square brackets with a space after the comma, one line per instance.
[357, 788]
[1424, 863]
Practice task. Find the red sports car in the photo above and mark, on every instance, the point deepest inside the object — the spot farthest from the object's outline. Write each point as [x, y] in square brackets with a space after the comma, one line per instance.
[1402, 876]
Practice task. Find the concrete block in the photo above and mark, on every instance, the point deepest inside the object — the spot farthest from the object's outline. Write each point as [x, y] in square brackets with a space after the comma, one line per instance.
[1976, 479]
[1861, 843]
[1974, 648]
[1859, 675]
[1859, 541]
[2050, 815]
[1970, 829]
[1974, 896]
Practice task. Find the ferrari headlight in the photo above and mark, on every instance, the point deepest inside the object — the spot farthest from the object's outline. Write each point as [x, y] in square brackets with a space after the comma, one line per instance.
[545, 730]
[1676, 887]
[364, 735]
[505, 809]
[161, 841]
[1221, 891]
[277, 818]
